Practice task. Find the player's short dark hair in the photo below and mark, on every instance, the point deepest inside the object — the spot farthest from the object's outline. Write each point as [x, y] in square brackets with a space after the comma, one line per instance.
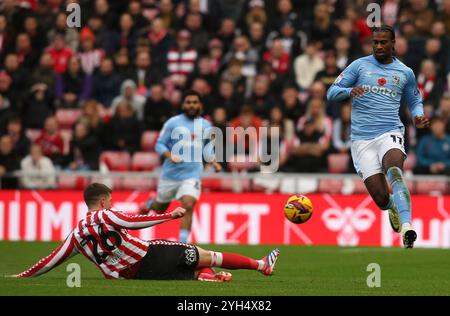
[385, 29]
[94, 192]
[190, 93]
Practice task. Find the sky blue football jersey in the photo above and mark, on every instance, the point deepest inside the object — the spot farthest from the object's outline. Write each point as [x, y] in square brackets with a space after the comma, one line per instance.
[187, 138]
[377, 111]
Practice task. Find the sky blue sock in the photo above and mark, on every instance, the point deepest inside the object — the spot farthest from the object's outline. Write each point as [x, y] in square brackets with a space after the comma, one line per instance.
[184, 235]
[402, 197]
[391, 204]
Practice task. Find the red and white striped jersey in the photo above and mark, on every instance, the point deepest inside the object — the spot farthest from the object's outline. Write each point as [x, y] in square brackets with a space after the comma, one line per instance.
[102, 236]
[181, 63]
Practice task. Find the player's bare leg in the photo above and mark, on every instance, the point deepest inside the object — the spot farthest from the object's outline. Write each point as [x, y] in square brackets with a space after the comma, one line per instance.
[188, 203]
[231, 261]
[379, 191]
[393, 165]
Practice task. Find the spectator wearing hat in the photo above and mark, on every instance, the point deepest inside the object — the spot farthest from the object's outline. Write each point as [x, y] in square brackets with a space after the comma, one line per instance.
[90, 57]
[128, 93]
[433, 151]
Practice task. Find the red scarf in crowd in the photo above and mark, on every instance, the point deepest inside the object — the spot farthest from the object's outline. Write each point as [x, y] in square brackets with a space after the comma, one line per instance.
[425, 85]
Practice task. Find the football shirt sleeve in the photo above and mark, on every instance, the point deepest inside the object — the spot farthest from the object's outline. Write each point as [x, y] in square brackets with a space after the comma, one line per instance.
[65, 251]
[134, 222]
[162, 145]
[412, 95]
[344, 84]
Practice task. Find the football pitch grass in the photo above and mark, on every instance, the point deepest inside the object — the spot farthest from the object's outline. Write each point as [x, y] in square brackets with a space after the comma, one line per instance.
[300, 271]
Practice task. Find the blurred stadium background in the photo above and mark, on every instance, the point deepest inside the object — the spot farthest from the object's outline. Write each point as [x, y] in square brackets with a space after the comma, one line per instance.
[86, 104]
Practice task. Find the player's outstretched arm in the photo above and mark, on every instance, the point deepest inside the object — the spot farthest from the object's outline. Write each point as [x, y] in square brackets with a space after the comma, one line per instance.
[342, 89]
[415, 102]
[134, 222]
[65, 251]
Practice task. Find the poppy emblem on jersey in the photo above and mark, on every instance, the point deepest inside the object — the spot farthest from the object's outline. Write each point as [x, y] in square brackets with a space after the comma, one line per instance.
[381, 82]
[396, 80]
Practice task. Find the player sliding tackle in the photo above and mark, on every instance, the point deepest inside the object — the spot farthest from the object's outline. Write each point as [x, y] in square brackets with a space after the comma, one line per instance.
[377, 83]
[102, 236]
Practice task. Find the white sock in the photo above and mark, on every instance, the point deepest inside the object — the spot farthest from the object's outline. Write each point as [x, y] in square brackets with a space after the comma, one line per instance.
[216, 259]
[260, 264]
[406, 226]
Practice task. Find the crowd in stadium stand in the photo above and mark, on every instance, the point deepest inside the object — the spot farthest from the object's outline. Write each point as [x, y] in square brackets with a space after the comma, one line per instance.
[75, 93]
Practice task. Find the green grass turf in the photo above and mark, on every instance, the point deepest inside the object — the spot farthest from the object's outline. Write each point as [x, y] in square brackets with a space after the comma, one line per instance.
[300, 271]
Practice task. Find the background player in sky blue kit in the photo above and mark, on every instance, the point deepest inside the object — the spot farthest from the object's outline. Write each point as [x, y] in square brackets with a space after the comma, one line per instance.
[181, 143]
[377, 84]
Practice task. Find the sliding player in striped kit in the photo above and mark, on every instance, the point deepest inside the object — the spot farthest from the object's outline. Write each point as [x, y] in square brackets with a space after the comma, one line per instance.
[102, 237]
[377, 83]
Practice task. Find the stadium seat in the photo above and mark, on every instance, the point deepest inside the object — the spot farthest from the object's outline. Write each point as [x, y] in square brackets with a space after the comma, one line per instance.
[410, 162]
[359, 187]
[211, 185]
[139, 184]
[231, 185]
[144, 161]
[72, 183]
[116, 161]
[32, 134]
[67, 117]
[430, 187]
[148, 140]
[238, 164]
[331, 186]
[338, 163]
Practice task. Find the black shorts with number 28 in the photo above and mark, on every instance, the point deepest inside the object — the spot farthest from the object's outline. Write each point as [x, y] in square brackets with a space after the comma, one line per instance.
[168, 260]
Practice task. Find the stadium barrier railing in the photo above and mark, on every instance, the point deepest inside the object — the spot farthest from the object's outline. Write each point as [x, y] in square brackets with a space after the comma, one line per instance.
[239, 182]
